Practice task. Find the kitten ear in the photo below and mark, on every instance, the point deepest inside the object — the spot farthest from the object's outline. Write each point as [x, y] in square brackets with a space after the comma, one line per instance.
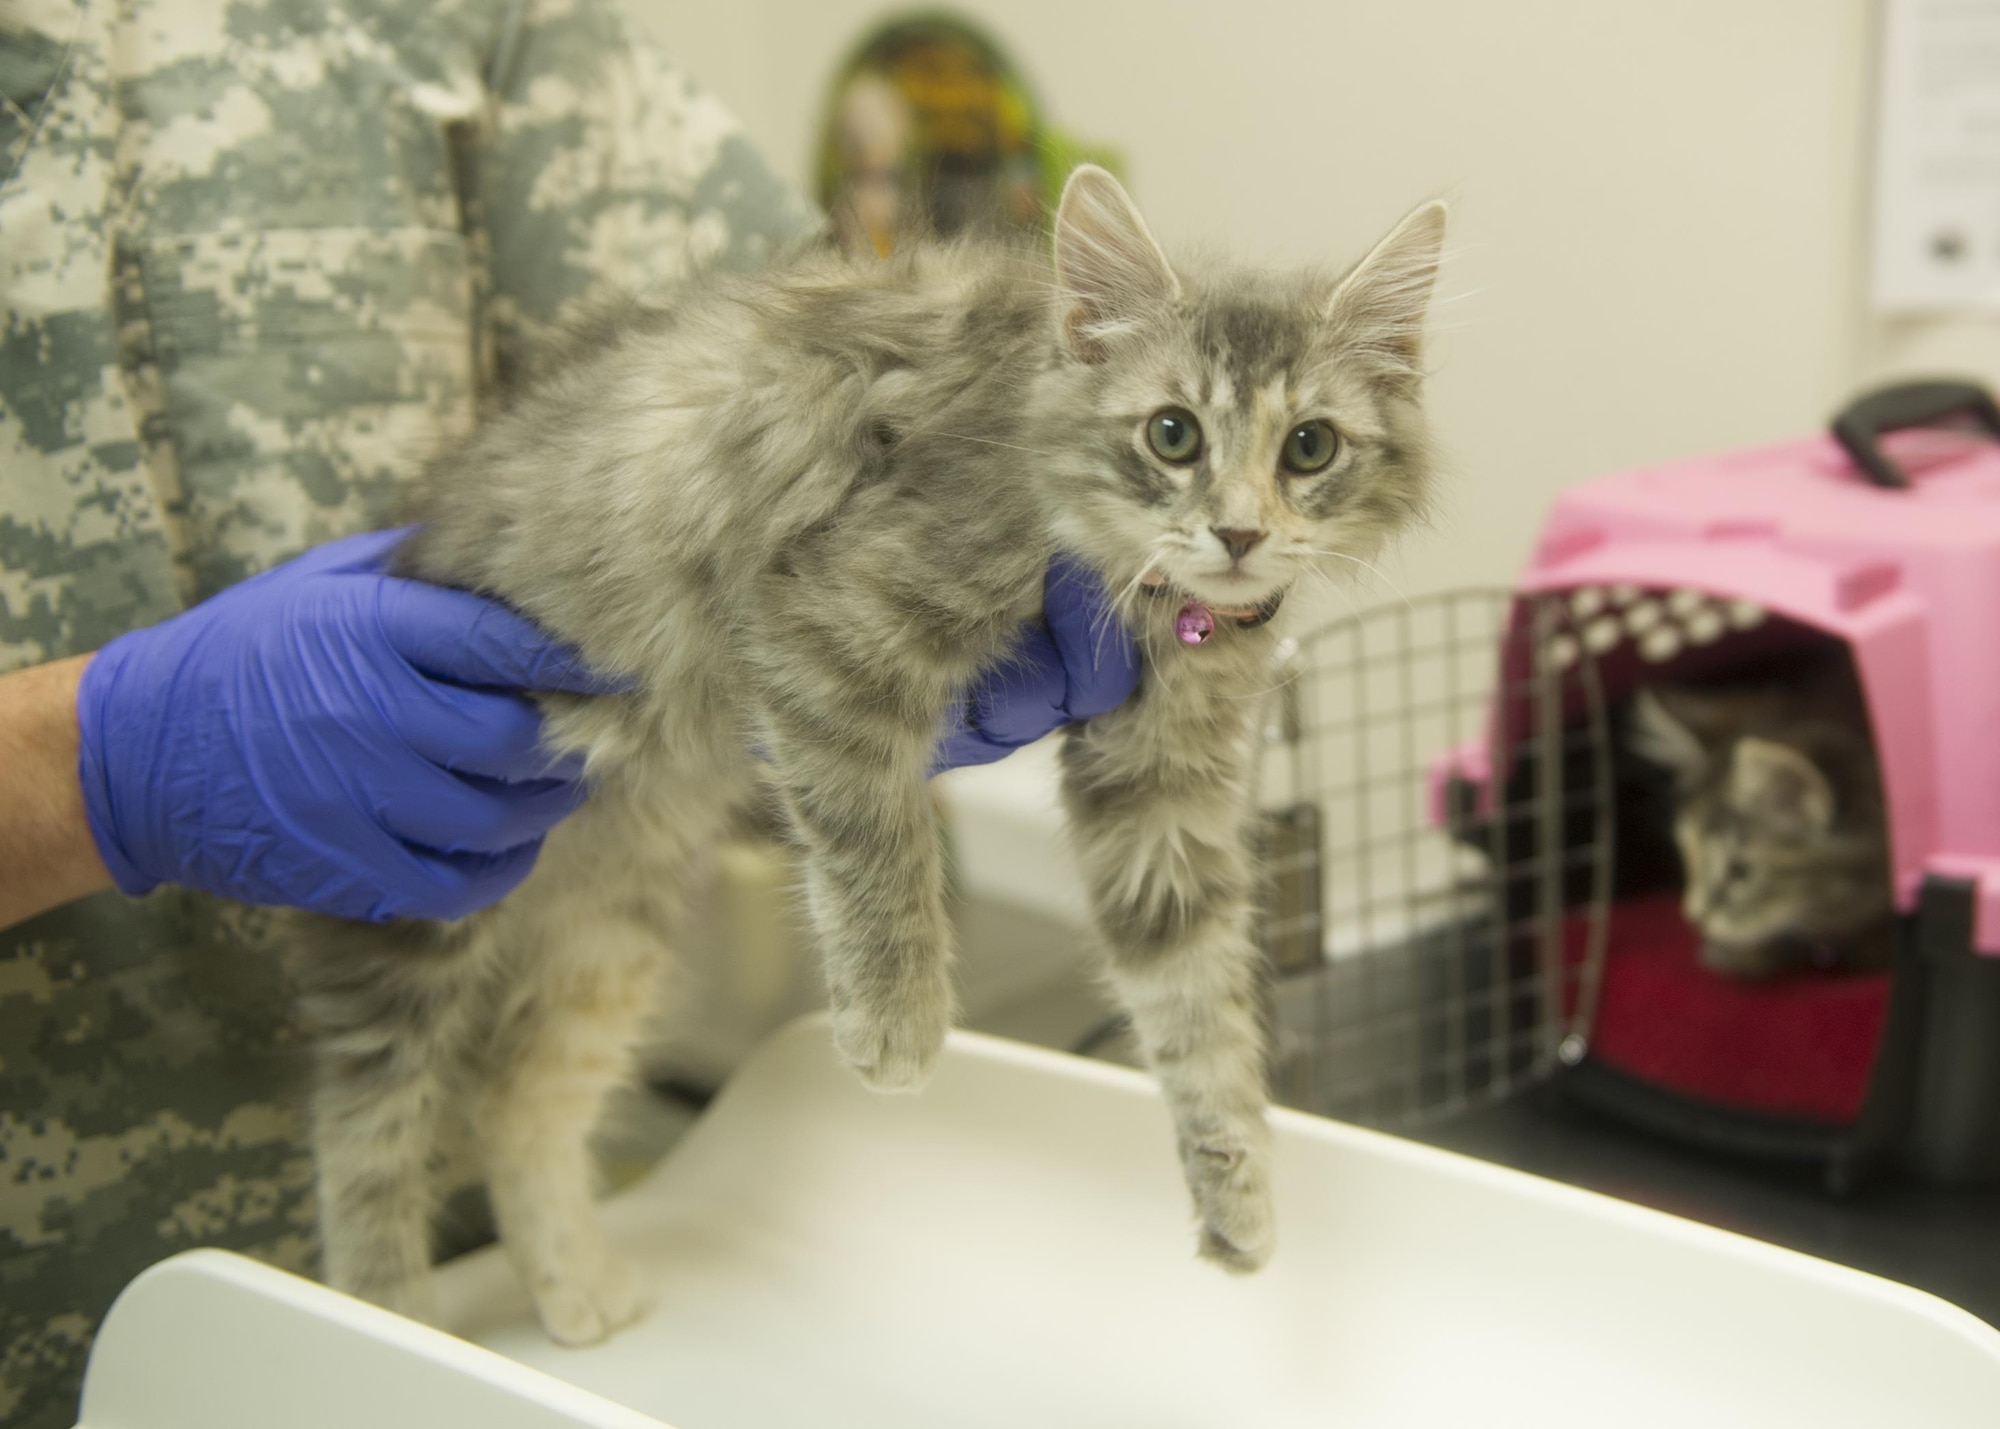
[1107, 262]
[1661, 738]
[1781, 787]
[1384, 297]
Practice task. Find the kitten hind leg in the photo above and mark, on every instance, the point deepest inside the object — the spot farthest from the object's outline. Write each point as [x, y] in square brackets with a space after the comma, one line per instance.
[565, 1046]
[390, 1021]
[374, 1127]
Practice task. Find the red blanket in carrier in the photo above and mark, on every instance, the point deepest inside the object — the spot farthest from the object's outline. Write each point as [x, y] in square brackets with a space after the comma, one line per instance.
[1799, 1045]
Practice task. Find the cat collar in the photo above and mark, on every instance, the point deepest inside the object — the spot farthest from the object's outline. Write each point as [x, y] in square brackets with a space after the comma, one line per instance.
[1195, 621]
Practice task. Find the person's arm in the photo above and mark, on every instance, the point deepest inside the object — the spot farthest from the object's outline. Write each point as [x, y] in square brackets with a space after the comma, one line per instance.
[47, 856]
[330, 737]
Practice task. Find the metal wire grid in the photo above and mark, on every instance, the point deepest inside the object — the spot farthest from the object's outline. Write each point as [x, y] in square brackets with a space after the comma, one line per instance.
[1435, 943]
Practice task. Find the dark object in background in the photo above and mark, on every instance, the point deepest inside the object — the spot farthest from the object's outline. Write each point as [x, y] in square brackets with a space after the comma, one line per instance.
[931, 129]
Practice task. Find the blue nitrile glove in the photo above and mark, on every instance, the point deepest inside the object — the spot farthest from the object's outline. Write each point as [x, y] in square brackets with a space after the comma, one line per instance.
[328, 737]
[1076, 662]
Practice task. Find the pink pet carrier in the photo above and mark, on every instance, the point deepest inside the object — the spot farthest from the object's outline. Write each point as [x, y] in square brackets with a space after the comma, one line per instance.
[1888, 545]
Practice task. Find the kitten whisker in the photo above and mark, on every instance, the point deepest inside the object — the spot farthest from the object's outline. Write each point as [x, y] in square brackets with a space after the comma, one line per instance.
[988, 441]
[1259, 694]
[1346, 593]
[1121, 603]
[1367, 566]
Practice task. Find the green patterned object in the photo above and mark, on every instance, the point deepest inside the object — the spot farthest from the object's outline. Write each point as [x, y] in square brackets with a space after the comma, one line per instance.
[929, 127]
[258, 258]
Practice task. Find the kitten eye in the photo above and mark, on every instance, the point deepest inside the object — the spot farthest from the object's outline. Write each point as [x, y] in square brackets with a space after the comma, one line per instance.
[1735, 870]
[1175, 435]
[1310, 447]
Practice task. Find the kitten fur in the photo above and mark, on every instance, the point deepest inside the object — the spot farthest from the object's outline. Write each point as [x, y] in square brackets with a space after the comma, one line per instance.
[798, 511]
[1778, 816]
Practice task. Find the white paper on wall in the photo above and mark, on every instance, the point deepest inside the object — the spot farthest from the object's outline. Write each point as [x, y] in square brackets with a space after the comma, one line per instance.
[1937, 169]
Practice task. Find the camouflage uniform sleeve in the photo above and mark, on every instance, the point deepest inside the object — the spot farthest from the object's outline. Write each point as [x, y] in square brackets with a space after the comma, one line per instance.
[237, 305]
[605, 170]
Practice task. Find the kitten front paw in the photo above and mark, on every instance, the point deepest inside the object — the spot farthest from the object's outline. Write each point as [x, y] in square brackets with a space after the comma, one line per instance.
[894, 1051]
[583, 1310]
[1232, 1194]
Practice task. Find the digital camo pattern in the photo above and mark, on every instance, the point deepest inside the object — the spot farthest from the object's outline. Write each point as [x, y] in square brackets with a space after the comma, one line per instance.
[257, 258]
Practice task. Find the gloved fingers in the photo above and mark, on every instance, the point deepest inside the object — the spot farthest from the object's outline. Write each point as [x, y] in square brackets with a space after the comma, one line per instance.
[1020, 698]
[1097, 653]
[1076, 662]
[455, 635]
[368, 551]
[457, 885]
[492, 733]
[959, 745]
[450, 813]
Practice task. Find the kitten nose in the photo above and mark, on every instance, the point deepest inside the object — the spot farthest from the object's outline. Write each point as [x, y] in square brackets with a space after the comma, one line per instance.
[1237, 541]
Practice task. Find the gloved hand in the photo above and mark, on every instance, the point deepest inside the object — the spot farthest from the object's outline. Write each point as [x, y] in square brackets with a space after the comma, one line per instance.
[328, 737]
[1076, 662]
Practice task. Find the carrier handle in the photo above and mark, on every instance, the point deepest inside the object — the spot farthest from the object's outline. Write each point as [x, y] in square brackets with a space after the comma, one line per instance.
[1907, 404]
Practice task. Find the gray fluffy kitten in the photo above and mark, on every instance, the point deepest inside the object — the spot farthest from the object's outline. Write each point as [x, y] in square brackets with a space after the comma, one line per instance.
[1778, 815]
[799, 511]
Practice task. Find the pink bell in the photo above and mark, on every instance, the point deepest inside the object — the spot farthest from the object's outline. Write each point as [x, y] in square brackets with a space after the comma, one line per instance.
[1194, 624]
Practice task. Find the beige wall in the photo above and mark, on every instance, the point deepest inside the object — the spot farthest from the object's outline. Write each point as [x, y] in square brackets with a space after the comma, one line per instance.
[1657, 203]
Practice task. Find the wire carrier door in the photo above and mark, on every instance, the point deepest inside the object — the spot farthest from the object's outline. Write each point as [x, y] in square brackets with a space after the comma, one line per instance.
[1437, 825]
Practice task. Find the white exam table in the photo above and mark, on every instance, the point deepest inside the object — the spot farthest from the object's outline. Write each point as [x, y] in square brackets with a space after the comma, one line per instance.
[1013, 1247]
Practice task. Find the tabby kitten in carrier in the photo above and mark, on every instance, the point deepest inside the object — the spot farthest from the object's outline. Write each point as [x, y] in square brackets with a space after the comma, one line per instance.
[797, 512]
[1778, 816]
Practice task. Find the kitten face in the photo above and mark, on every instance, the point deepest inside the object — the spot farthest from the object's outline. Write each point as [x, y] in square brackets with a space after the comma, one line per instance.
[1766, 851]
[1248, 447]
[1753, 833]
[1247, 432]
[1746, 882]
